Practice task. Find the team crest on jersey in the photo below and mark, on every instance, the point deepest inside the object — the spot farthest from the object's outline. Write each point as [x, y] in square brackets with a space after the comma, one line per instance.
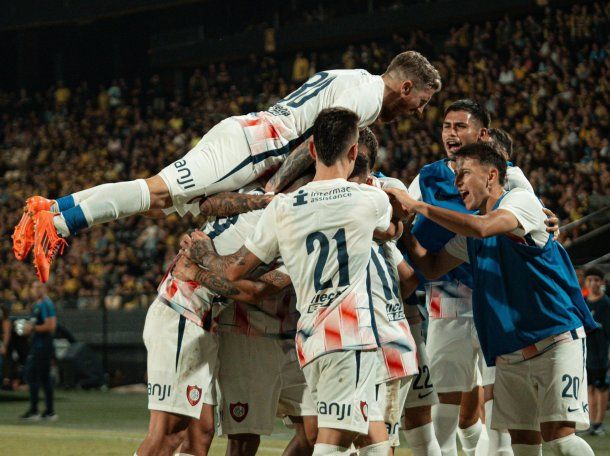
[238, 411]
[193, 394]
[364, 408]
[300, 198]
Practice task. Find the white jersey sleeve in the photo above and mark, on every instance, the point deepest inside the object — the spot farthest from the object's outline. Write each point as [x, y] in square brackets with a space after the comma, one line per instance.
[381, 202]
[516, 179]
[458, 247]
[527, 209]
[397, 256]
[364, 99]
[264, 242]
[415, 190]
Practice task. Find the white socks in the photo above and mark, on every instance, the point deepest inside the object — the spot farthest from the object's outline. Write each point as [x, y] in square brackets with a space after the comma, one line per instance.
[323, 449]
[376, 449]
[423, 441]
[445, 418]
[469, 438]
[102, 204]
[493, 442]
[571, 445]
[527, 450]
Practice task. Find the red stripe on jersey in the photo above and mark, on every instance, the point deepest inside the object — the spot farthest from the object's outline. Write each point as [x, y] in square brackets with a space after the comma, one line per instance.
[349, 316]
[332, 332]
[300, 354]
[171, 289]
[435, 304]
[393, 362]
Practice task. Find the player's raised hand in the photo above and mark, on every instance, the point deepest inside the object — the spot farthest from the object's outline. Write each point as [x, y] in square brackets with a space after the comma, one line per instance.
[201, 244]
[402, 204]
[185, 242]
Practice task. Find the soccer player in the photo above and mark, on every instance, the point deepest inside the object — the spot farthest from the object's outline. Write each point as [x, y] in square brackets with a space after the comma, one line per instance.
[233, 153]
[181, 340]
[597, 350]
[323, 233]
[456, 362]
[259, 377]
[397, 355]
[528, 310]
[417, 394]
[503, 143]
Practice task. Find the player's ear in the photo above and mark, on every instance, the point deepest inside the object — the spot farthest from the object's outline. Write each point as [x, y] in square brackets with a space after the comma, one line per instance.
[352, 153]
[312, 151]
[484, 135]
[492, 177]
[406, 88]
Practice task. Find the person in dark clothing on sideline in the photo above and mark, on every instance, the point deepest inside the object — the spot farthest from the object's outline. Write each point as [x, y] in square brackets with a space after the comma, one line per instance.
[597, 350]
[38, 364]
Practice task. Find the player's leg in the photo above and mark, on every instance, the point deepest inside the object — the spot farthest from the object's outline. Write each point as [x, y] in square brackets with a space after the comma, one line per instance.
[32, 375]
[452, 368]
[295, 402]
[181, 362]
[598, 399]
[469, 426]
[561, 375]
[377, 439]
[243, 444]
[199, 434]
[165, 433]
[342, 385]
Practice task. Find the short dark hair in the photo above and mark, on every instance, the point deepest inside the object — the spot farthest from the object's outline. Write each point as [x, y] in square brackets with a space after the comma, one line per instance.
[367, 139]
[365, 161]
[334, 131]
[486, 154]
[503, 140]
[475, 109]
[414, 66]
[595, 272]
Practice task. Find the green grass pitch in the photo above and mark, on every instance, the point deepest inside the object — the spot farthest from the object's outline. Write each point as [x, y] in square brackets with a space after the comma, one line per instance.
[108, 423]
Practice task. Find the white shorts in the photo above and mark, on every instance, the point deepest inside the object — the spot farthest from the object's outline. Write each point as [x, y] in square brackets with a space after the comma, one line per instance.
[259, 378]
[391, 397]
[549, 387]
[220, 162]
[181, 362]
[422, 391]
[456, 359]
[342, 386]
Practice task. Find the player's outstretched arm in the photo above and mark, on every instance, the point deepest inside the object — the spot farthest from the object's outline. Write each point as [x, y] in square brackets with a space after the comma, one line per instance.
[496, 222]
[431, 265]
[293, 167]
[250, 291]
[227, 204]
[233, 267]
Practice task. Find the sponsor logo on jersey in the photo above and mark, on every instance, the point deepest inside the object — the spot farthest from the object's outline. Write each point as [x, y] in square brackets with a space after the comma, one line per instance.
[185, 180]
[334, 408]
[193, 394]
[335, 193]
[300, 198]
[161, 391]
[238, 411]
[364, 408]
[324, 299]
[395, 311]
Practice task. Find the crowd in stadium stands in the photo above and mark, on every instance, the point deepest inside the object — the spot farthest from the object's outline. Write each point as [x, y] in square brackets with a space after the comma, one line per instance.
[545, 80]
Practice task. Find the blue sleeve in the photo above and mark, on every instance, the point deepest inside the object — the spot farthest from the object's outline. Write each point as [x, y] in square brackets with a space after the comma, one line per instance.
[48, 310]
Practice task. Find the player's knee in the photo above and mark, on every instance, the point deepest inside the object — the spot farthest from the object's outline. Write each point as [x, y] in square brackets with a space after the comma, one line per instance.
[415, 417]
[556, 429]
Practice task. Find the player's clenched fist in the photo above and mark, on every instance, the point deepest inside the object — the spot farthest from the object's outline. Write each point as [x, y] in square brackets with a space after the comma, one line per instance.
[402, 204]
[198, 245]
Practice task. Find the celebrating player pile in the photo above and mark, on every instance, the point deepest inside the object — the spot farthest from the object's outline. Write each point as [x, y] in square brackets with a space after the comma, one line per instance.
[232, 154]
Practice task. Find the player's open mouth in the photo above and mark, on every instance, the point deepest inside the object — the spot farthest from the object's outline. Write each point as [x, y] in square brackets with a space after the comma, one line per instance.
[464, 194]
[453, 146]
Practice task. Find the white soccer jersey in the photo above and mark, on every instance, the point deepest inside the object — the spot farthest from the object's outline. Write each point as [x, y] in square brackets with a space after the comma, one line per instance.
[397, 353]
[273, 317]
[323, 233]
[274, 132]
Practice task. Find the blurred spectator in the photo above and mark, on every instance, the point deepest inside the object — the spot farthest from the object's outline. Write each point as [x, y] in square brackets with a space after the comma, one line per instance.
[556, 110]
[38, 365]
[597, 350]
[300, 68]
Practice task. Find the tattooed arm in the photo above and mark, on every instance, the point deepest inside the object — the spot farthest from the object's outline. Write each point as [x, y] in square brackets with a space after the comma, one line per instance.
[294, 166]
[227, 204]
[233, 267]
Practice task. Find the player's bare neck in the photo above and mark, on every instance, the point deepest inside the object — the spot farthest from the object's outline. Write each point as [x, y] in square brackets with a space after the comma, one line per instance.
[488, 203]
[339, 170]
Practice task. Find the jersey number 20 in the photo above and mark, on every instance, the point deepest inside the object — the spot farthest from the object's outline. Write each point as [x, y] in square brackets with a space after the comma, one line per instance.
[342, 257]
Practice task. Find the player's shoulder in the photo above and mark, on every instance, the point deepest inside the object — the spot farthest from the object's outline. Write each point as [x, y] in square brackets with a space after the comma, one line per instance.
[520, 196]
[352, 79]
[392, 182]
[371, 192]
